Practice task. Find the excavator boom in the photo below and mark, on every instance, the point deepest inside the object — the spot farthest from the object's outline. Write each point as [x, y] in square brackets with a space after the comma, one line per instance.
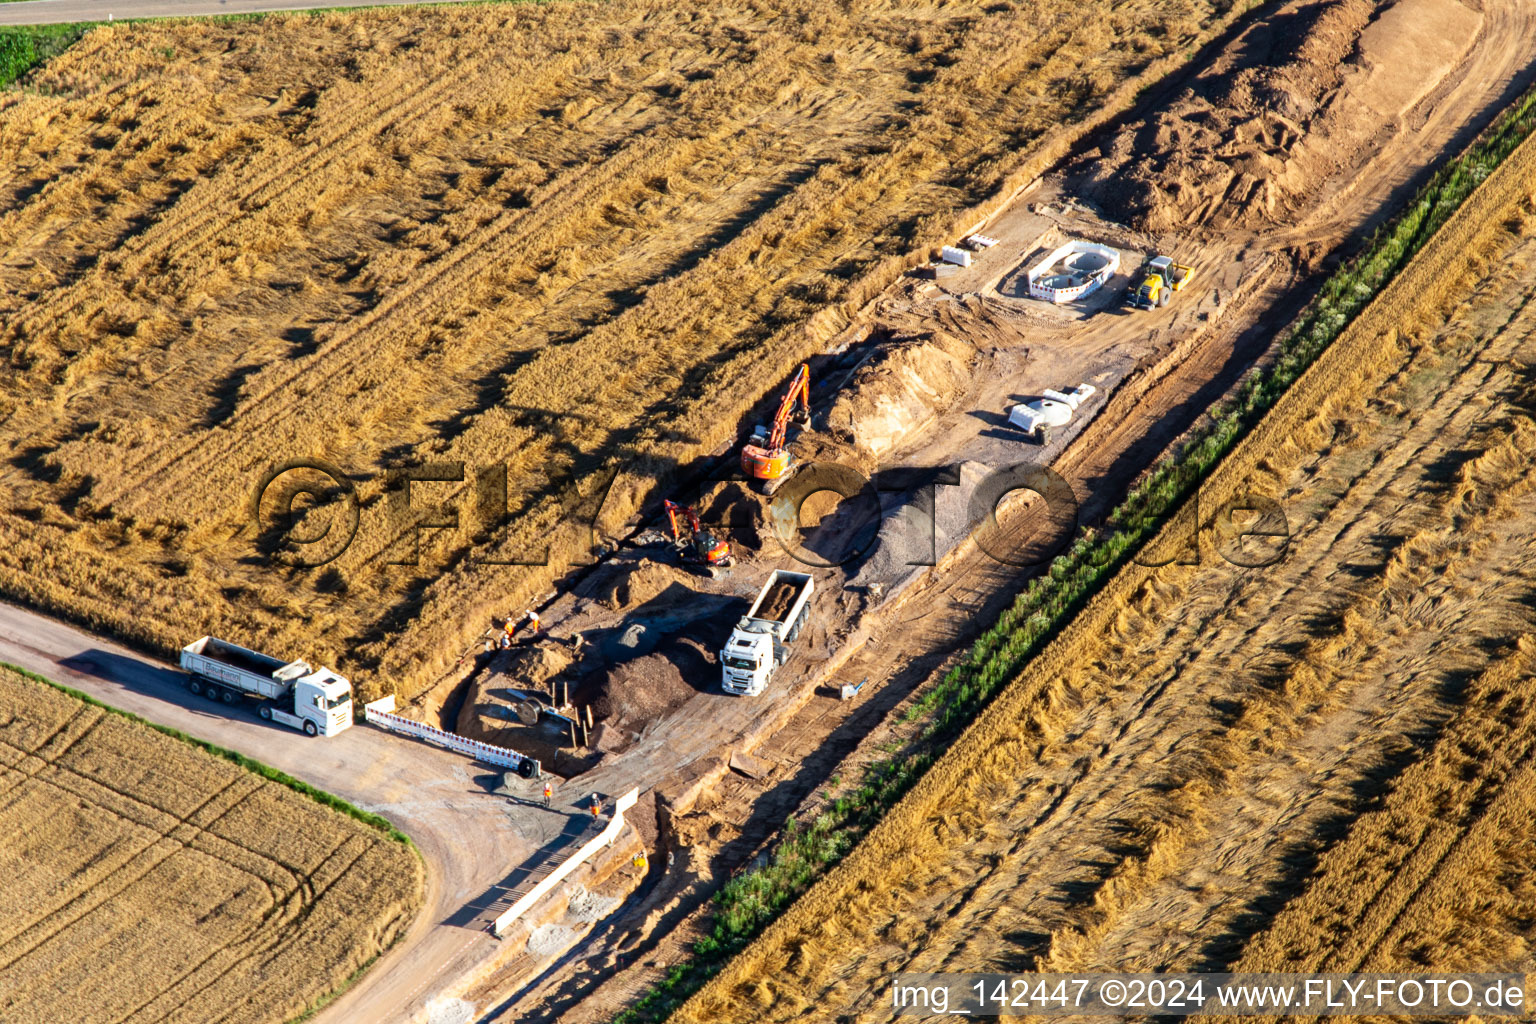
[799, 389]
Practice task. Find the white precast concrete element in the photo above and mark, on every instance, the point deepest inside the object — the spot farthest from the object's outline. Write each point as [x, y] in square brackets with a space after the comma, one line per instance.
[980, 242]
[378, 713]
[1074, 398]
[949, 254]
[1052, 409]
[604, 838]
[1085, 266]
[1027, 419]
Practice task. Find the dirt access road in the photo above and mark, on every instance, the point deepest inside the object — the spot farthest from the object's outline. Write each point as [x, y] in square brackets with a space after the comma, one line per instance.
[56, 12]
[469, 838]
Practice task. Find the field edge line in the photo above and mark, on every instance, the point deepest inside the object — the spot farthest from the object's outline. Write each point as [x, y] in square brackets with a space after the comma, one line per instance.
[375, 821]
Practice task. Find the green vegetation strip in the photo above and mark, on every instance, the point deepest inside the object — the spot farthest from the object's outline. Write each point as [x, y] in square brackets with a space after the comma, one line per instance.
[746, 904]
[24, 47]
[320, 796]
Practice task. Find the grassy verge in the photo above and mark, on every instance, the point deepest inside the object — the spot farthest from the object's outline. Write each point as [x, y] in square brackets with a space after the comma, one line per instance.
[352, 979]
[266, 771]
[24, 47]
[746, 905]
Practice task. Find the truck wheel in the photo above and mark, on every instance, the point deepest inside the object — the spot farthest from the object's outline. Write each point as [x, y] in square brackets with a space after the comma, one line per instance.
[227, 696]
[310, 729]
[265, 712]
[195, 686]
[212, 692]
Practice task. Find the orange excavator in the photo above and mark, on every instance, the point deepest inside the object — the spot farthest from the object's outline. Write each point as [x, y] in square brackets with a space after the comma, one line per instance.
[766, 458]
[699, 546]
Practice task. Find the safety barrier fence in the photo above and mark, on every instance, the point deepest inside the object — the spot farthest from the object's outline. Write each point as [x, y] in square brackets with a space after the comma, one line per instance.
[378, 713]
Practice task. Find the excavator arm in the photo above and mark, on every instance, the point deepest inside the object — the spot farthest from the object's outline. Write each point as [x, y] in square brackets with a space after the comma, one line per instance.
[799, 392]
[705, 546]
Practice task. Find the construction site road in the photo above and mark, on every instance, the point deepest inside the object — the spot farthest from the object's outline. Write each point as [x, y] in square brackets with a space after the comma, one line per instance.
[58, 12]
[468, 837]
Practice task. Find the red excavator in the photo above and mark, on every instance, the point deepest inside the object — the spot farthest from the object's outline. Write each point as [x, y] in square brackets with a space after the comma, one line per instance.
[699, 546]
[766, 458]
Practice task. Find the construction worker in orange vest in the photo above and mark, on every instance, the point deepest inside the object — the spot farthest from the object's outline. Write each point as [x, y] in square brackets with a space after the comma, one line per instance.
[549, 791]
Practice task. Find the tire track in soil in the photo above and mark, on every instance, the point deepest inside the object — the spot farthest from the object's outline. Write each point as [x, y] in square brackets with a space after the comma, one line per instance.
[355, 344]
[213, 205]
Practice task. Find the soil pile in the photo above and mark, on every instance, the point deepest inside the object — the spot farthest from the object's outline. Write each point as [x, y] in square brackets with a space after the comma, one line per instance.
[627, 587]
[638, 691]
[910, 379]
[1299, 100]
[731, 508]
[776, 606]
[833, 447]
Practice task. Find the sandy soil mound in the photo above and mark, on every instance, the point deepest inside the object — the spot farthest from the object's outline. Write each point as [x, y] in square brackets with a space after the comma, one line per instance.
[737, 510]
[899, 390]
[643, 689]
[624, 589]
[824, 446]
[1276, 117]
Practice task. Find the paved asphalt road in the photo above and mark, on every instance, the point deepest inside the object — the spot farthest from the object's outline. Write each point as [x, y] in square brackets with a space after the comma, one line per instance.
[470, 839]
[47, 12]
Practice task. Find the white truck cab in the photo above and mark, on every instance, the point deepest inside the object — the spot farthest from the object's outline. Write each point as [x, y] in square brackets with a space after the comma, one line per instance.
[322, 698]
[748, 660]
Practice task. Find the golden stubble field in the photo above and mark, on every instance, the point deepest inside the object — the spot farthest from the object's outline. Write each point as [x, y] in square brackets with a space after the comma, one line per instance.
[146, 880]
[571, 242]
[1321, 764]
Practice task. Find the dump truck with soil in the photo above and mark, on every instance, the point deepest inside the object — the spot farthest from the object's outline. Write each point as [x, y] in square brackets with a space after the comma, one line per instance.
[761, 641]
[317, 701]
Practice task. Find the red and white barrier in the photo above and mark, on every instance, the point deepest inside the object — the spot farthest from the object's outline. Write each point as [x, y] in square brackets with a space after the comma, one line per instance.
[1039, 276]
[378, 713]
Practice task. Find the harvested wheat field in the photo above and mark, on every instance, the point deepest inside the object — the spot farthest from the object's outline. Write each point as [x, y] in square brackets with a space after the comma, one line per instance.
[563, 240]
[1321, 764]
[145, 880]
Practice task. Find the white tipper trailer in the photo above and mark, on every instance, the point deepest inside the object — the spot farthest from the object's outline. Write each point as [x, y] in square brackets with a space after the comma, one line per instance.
[316, 700]
[760, 642]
